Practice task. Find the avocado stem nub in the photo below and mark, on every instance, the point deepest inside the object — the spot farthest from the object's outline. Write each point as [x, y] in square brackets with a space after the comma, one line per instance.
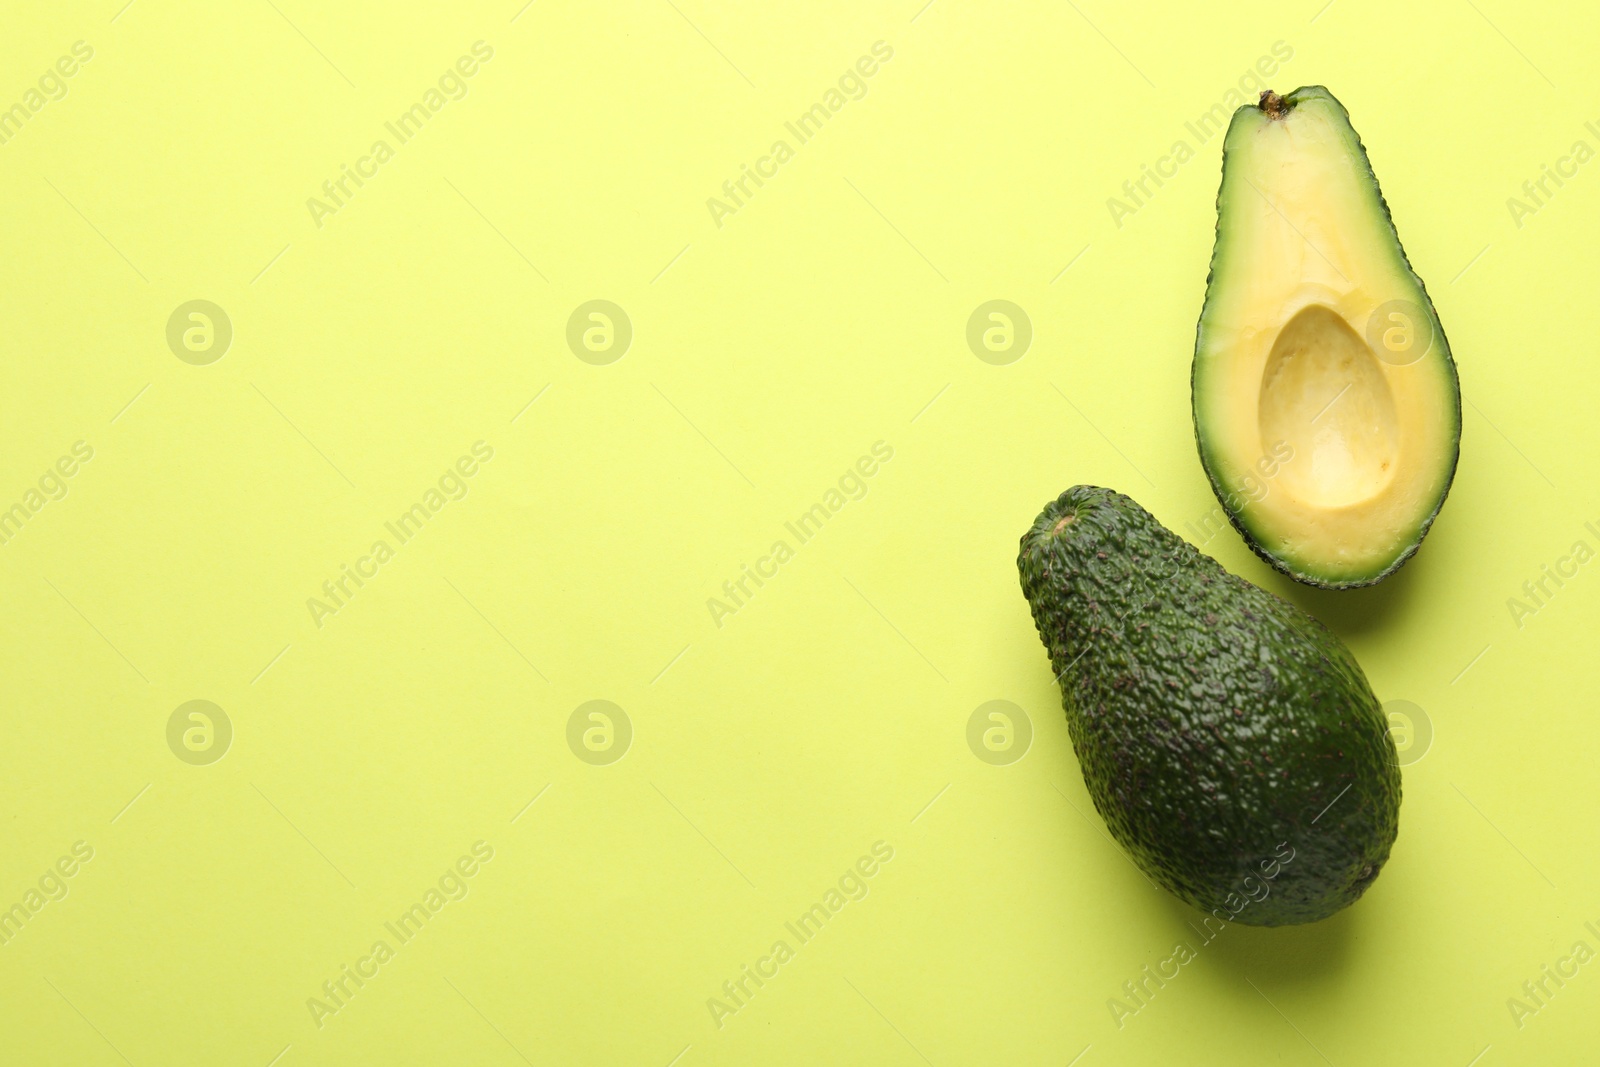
[1274, 105]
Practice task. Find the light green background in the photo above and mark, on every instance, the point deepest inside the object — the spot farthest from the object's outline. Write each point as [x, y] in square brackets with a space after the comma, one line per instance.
[768, 354]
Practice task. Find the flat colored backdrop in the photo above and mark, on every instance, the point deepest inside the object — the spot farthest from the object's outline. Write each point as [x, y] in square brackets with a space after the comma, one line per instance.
[398, 501]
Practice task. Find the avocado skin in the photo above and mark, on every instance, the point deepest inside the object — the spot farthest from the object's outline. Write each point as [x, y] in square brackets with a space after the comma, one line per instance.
[1230, 506]
[1214, 722]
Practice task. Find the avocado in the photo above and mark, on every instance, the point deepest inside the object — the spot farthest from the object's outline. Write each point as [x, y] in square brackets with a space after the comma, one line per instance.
[1229, 740]
[1326, 405]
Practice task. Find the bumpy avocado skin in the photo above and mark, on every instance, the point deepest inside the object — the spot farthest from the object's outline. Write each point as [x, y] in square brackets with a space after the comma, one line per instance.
[1219, 727]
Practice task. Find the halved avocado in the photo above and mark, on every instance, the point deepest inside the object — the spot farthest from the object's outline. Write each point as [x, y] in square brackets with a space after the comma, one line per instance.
[1326, 405]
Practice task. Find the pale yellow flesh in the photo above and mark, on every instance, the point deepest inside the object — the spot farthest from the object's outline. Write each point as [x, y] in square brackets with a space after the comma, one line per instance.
[1284, 366]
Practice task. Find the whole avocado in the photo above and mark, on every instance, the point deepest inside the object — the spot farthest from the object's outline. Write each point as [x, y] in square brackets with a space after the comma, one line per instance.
[1229, 740]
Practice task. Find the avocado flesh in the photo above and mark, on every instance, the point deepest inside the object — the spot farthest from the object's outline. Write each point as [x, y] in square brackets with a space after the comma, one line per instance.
[1326, 406]
[1219, 727]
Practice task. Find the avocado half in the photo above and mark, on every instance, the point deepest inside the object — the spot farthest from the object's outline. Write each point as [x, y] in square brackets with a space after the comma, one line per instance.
[1326, 405]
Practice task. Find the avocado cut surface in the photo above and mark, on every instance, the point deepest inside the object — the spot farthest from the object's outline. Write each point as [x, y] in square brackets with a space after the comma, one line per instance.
[1229, 740]
[1326, 405]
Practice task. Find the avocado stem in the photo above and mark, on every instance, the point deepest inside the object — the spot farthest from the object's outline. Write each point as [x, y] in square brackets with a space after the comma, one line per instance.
[1274, 105]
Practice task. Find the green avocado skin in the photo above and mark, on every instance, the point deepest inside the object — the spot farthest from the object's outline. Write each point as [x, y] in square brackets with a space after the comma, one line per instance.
[1229, 740]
